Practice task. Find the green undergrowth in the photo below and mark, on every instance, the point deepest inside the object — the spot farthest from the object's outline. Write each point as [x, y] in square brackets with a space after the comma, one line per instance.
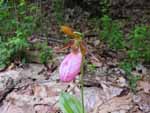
[111, 33]
[12, 49]
[135, 46]
[18, 21]
[132, 79]
[45, 53]
[58, 10]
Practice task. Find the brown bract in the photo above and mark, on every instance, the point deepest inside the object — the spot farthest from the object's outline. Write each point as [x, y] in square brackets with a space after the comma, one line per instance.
[76, 43]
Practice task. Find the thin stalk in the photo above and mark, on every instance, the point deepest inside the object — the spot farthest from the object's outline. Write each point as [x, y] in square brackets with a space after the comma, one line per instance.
[81, 81]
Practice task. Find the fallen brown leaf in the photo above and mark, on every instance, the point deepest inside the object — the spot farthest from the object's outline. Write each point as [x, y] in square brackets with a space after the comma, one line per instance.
[145, 85]
[114, 104]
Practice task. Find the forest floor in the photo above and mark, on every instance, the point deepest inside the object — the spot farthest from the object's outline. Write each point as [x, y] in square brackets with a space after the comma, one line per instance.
[33, 88]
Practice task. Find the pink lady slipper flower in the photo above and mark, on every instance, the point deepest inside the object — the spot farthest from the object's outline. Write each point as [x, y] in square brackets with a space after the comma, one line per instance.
[70, 66]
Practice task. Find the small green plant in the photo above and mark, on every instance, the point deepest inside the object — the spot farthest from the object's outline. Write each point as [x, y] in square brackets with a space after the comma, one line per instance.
[139, 44]
[45, 54]
[133, 82]
[132, 79]
[111, 33]
[13, 48]
[104, 6]
[58, 7]
[91, 67]
[126, 66]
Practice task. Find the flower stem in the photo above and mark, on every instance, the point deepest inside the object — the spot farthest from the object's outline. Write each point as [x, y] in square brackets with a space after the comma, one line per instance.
[81, 81]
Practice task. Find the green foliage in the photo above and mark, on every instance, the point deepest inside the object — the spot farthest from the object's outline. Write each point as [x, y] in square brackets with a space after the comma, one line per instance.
[13, 48]
[16, 16]
[139, 44]
[133, 82]
[136, 47]
[4, 55]
[69, 104]
[111, 33]
[45, 54]
[58, 7]
[104, 5]
[17, 22]
[91, 67]
[127, 67]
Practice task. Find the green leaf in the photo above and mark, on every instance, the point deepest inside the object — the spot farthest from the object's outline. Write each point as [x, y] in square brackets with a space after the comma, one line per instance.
[46, 53]
[69, 104]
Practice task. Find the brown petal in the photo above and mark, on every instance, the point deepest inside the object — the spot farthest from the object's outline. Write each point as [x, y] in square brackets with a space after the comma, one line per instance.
[83, 48]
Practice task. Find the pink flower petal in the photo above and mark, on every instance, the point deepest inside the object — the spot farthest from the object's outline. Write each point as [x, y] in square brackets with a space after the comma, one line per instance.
[70, 67]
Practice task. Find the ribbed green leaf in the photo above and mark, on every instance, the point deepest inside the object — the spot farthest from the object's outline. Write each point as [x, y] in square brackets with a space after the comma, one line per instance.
[69, 103]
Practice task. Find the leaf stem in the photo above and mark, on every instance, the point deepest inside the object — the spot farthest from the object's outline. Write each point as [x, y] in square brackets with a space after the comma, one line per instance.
[81, 81]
